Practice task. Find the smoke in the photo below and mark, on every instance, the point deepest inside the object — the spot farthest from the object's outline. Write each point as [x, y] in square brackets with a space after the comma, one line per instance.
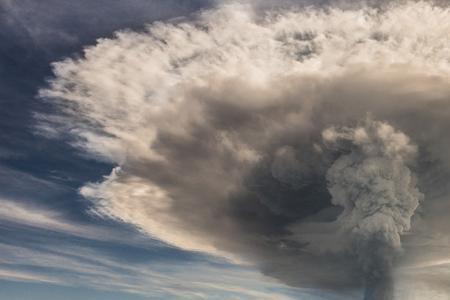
[240, 132]
[377, 190]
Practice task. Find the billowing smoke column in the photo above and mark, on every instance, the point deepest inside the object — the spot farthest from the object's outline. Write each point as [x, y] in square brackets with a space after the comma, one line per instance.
[371, 180]
[235, 133]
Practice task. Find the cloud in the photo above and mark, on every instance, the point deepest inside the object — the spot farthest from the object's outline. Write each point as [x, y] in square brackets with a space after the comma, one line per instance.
[18, 213]
[375, 187]
[48, 248]
[215, 125]
[70, 265]
[24, 276]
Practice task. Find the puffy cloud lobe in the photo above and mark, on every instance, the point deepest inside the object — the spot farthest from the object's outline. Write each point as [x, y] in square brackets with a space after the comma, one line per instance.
[216, 124]
[373, 182]
[378, 192]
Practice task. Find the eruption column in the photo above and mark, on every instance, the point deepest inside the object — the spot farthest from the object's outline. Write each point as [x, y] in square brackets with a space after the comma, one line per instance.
[371, 180]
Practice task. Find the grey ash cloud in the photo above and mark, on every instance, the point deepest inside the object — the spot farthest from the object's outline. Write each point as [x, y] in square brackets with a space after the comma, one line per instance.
[231, 139]
[376, 188]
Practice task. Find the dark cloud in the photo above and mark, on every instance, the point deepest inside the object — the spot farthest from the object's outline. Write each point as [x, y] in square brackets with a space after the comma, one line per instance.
[219, 128]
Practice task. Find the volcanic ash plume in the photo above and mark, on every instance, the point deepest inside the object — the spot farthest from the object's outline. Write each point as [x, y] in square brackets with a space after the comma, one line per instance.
[376, 188]
[218, 129]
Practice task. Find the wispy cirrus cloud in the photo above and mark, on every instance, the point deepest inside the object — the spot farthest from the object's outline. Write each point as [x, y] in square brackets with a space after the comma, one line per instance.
[56, 250]
[31, 215]
[14, 275]
[75, 266]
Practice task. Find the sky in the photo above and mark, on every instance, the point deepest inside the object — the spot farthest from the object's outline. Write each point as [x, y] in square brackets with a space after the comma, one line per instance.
[209, 149]
[52, 247]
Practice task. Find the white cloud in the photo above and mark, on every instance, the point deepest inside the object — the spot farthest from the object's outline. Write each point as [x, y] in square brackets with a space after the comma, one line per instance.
[83, 266]
[14, 212]
[12, 275]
